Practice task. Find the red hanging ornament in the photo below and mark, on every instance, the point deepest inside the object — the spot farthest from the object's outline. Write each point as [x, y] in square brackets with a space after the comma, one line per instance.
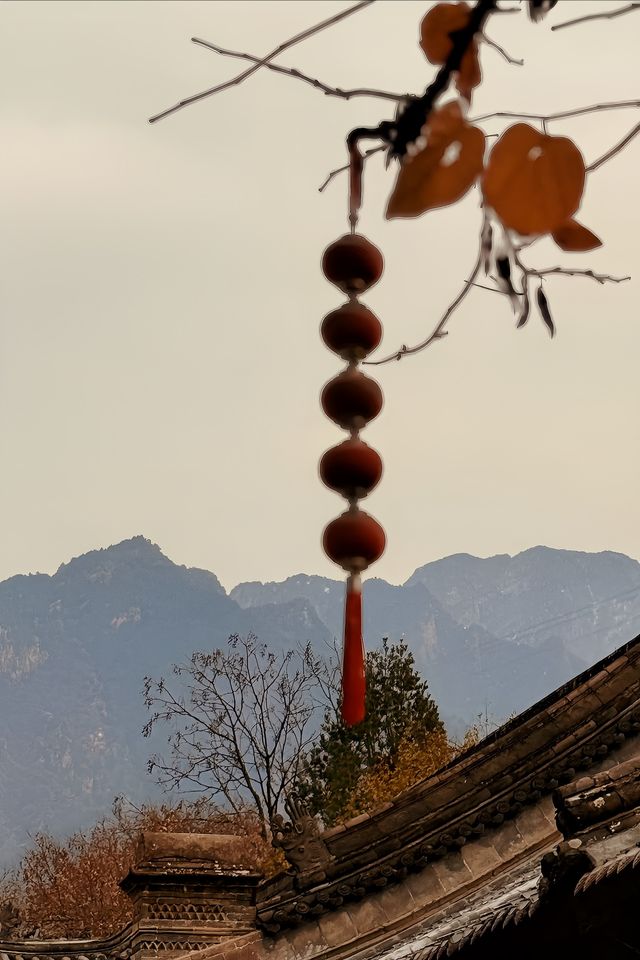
[353, 263]
[354, 540]
[352, 331]
[351, 399]
[352, 468]
[354, 687]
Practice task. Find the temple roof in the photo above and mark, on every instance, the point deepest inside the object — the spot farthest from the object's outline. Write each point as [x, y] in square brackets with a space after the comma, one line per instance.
[499, 900]
[601, 846]
[574, 729]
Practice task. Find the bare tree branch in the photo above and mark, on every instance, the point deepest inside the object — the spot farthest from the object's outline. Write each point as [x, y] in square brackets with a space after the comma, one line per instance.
[325, 88]
[503, 53]
[561, 115]
[610, 15]
[483, 286]
[542, 117]
[601, 278]
[396, 136]
[438, 332]
[298, 38]
[344, 167]
[614, 150]
[244, 724]
[405, 129]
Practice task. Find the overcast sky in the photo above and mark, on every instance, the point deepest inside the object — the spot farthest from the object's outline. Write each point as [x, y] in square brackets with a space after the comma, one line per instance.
[160, 362]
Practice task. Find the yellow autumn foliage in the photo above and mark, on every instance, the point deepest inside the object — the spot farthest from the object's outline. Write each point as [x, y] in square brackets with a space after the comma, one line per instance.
[414, 761]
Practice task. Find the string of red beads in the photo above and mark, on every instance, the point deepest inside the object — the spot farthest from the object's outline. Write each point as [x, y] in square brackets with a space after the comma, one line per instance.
[351, 399]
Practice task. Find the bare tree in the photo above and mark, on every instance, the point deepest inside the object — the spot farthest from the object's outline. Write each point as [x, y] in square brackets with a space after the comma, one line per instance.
[243, 724]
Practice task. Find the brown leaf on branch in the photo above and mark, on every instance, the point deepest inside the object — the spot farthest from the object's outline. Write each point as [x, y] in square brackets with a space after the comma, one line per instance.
[533, 181]
[545, 312]
[525, 307]
[540, 8]
[574, 238]
[486, 244]
[436, 42]
[505, 281]
[444, 170]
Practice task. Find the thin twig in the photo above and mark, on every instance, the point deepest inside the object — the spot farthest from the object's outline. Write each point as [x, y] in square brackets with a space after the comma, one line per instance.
[503, 53]
[483, 286]
[601, 278]
[598, 16]
[310, 32]
[614, 150]
[561, 115]
[328, 90]
[438, 332]
[334, 173]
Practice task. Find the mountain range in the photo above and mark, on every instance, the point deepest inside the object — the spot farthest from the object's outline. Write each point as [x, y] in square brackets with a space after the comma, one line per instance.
[490, 635]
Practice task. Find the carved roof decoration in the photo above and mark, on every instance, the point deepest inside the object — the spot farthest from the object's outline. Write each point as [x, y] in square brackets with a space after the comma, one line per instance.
[531, 756]
[300, 841]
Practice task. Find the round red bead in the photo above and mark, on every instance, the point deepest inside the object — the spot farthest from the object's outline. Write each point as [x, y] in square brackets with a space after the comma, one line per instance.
[352, 468]
[352, 331]
[353, 263]
[351, 399]
[354, 540]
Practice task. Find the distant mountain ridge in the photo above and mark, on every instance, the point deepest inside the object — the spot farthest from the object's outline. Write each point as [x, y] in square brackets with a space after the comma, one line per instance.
[489, 635]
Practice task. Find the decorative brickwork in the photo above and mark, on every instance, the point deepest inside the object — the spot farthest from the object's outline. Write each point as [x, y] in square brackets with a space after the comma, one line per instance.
[189, 884]
[192, 913]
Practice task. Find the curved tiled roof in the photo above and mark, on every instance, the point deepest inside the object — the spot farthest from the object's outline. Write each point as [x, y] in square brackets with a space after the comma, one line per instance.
[626, 861]
[569, 731]
[488, 913]
[507, 899]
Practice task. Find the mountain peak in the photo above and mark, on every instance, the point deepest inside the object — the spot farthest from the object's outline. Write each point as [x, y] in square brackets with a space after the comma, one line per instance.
[136, 550]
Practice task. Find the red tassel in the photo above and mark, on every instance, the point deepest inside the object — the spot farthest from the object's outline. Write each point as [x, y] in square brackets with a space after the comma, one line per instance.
[353, 666]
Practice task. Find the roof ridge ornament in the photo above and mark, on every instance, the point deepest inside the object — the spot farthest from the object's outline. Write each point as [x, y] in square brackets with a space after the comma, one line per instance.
[300, 841]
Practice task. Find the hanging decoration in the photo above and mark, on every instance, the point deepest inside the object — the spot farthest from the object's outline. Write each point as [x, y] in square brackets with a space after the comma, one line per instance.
[354, 540]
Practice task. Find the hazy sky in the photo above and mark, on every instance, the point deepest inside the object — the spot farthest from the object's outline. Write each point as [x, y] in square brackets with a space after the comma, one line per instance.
[160, 362]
